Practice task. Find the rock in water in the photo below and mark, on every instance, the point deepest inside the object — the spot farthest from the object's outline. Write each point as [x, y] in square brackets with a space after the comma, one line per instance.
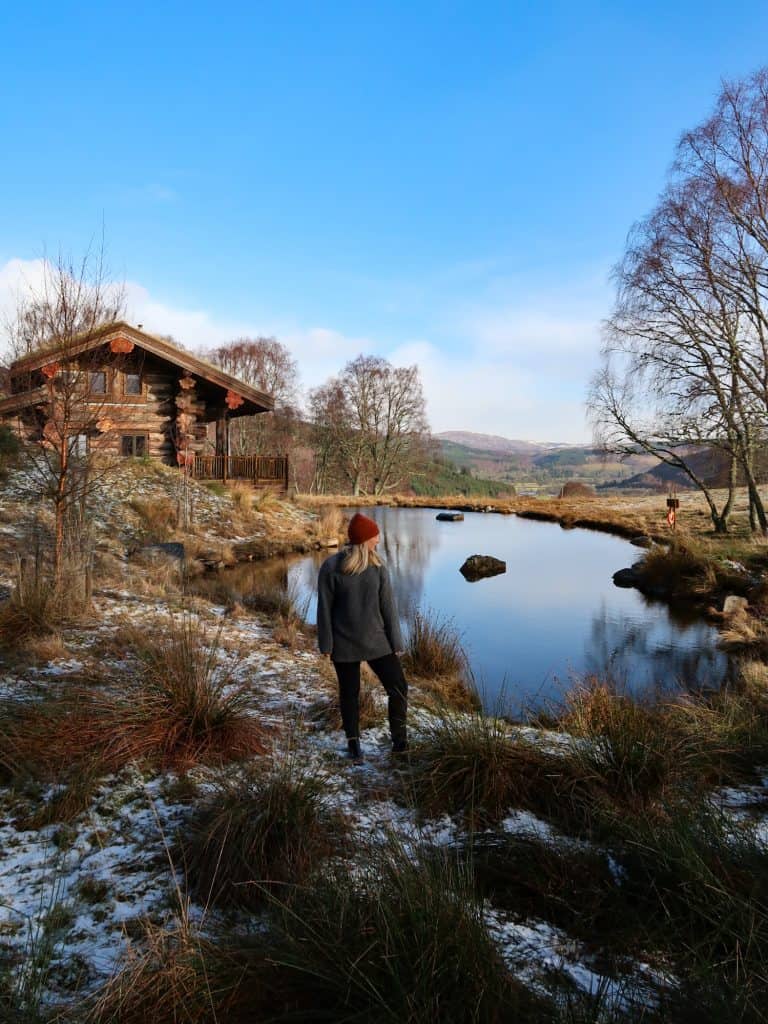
[626, 578]
[477, 567]
[450, 517]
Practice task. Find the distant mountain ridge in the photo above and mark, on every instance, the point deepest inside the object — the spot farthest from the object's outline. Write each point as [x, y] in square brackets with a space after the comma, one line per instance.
[496, 443]
[540, 466]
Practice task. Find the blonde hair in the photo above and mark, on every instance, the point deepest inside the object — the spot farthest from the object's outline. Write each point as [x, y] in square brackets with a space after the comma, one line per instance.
[357, 559]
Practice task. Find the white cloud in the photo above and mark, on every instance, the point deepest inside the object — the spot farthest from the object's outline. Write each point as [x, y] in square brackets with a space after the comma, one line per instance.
[319, 351]
[527, 331]
[489, 393]
[519, 369]
[18, 277]
[193, 328]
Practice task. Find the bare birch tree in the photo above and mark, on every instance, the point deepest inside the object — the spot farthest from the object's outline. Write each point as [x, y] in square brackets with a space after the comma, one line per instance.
[266, 364]
[330, 426]
[370, 424]
[684, 358]
[66, 431]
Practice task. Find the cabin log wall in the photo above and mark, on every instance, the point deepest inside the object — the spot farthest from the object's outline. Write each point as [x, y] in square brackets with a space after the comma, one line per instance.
[171, 416]
[153, 414]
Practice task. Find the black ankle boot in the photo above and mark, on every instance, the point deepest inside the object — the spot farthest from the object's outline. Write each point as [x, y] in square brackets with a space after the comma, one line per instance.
[354, 751]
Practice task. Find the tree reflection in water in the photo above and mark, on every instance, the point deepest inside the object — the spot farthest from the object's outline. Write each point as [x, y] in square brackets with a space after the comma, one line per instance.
[407, 555]
[665, 652]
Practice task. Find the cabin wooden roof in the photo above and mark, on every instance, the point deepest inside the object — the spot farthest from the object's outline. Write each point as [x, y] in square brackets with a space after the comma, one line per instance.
[150, 343]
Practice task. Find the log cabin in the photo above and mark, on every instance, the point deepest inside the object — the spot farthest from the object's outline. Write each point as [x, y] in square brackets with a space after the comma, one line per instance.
[127, 393]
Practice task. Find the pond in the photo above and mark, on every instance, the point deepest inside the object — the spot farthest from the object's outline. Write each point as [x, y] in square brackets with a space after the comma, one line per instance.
[553, 617]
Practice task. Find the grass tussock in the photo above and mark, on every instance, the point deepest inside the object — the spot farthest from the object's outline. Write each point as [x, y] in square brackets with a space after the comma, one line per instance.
[41, 650]
[682, 569]
[210, 553]
[271, 597]
[188, 706]
[241, 494]
[399, 941]
[37, 607]
[688, 569]
[473, 765]
[330, 525]
[180, 707]
[570, 887]
[434, 647]
[729, 729]
[435, 657]
[265, 501]
[617, 759]
[698, 884]
[278, 601]
[72, 797]
[650, 752]
[172, 977]
[267, 832]
[636, 750]
[287, 631]
[158, 517]
[685, 889]
[746, 635]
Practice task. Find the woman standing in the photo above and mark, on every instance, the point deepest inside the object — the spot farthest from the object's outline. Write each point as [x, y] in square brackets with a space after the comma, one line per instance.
[357, 621]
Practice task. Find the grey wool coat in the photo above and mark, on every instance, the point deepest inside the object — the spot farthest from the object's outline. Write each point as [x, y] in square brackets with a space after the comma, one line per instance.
[356, 614]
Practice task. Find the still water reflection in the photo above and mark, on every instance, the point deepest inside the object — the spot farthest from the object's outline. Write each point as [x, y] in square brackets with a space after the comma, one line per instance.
[554, 615]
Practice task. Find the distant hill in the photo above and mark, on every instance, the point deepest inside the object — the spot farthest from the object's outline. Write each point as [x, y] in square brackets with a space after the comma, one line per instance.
[495, 443]
[543, 468]
[536, 466]
[708, 463]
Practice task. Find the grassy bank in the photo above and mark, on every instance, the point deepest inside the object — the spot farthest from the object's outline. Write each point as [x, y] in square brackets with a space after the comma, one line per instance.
[606, 863]
[624, 515]
[183, 839]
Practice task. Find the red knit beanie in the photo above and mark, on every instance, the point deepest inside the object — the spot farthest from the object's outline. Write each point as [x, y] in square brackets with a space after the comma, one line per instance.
[361, 529]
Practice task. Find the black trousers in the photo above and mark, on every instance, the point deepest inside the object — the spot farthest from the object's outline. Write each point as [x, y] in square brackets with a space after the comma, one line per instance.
[390, 675]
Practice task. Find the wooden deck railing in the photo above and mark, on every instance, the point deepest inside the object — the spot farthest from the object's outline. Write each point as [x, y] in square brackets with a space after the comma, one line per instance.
[259, 469]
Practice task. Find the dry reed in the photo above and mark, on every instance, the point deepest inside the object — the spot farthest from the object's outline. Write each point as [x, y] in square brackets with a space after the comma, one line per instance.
[180, 707]
[266, 832]
[435, 657]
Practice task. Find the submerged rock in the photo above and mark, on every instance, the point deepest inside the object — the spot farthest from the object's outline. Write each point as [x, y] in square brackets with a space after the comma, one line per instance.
[477, 567]
[450, 517]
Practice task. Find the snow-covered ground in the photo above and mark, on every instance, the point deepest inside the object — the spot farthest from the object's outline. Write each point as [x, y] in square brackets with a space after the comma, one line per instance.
[87, 887]
[84, 890]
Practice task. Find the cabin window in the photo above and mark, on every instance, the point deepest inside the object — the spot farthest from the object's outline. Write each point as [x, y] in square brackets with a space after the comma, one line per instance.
[132, 384]
[98, 382]
[133, 444]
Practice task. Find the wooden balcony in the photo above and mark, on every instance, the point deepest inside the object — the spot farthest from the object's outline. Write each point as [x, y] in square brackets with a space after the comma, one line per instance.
[266, 470]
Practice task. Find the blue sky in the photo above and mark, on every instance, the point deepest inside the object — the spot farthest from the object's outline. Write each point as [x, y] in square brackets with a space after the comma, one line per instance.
[447, 183]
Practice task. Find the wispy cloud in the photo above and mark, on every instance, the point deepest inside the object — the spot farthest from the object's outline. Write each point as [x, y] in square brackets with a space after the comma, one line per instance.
[320, 351]
[515, 368]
